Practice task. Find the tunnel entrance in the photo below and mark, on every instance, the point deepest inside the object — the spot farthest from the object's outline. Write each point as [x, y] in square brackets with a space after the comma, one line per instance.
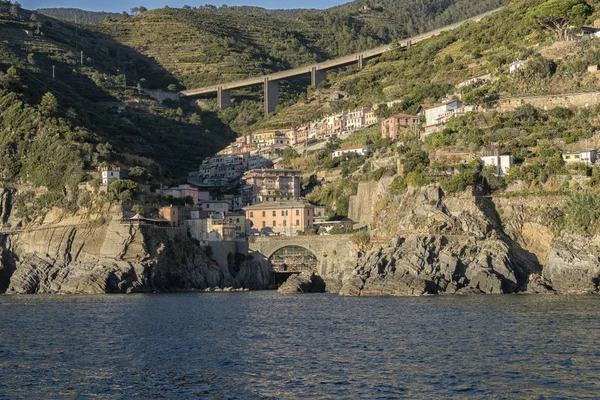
[293, 259]
[290, 260]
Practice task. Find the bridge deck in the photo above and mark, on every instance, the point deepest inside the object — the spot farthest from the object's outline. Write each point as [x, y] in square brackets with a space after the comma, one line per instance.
[325, 65]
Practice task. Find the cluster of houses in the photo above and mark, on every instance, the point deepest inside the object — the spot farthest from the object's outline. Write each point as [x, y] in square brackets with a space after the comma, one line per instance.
[266, 143]
[240, 192]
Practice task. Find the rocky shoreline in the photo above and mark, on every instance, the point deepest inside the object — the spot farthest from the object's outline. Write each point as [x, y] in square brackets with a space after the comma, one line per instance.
[471, 245]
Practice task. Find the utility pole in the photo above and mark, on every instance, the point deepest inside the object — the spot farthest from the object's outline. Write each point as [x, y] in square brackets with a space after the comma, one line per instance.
[82, 58]
[53, 72]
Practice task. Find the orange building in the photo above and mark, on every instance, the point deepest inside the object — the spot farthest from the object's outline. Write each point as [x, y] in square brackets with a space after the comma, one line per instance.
[287, 217]
[391, 127]
[170, 213]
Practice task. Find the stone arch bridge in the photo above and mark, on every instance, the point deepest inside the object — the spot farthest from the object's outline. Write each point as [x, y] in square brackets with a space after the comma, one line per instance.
[333, 253]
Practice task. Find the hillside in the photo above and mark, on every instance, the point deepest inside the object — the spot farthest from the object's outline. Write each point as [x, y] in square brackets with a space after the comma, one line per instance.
[92, 113]
[97, 112]
[206, 45]
[430, 70]
[536, 136]
[76, 14]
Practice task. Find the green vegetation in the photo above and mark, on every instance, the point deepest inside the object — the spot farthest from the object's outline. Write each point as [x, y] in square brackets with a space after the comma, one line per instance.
[559, 16]
[89, 114]
[75, 14]
[582, 211]
[361, 239]
[335, 196]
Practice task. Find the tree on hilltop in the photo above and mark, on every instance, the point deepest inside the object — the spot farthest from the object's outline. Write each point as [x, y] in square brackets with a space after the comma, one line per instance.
[49, 104]
[559, 16]
[142, 9]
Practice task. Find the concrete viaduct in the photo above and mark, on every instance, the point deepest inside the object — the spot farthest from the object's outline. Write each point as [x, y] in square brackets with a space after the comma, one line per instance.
[333, 252]
[318, 72]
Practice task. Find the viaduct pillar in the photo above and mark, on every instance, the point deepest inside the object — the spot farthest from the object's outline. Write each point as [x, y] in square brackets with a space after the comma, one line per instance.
[317, 76]
[223, 98]
[271, 95]
[361, 61]
[408, 44]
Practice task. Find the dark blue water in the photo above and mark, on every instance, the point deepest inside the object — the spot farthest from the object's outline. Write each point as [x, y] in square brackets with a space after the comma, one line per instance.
[266, 345]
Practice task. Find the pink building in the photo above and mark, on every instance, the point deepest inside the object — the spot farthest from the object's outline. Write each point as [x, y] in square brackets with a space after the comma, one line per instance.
[287, 217]
[391, 127]
[274, 184]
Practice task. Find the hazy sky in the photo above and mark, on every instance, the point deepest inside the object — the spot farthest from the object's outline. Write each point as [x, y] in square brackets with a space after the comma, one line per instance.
[120, 5]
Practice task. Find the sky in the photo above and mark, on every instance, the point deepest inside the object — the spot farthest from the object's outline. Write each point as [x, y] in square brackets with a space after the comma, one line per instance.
[126, 5]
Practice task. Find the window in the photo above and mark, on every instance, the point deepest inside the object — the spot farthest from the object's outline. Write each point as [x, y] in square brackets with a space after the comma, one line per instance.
[251, 214]
[282, 213]
[297, 222]
[284, 222]
[297, 213]
[237, 220]
[264, 224]
[264, 214]
[274, 223]
[274, 213]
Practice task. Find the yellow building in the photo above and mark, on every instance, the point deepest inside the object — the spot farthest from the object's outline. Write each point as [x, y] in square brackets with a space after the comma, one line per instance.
[237, 220]
[264, 137]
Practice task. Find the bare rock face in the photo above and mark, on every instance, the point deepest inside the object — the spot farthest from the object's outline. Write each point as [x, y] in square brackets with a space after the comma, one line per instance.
[573, 264]
[433, 265]
[303, 283]
[251, 275]
[74, 257]
[536, 284]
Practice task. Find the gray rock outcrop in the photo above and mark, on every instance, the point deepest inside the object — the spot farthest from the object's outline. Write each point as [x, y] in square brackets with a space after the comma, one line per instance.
[434, 265]
[303, 283]
[110, 258]
[573, 264]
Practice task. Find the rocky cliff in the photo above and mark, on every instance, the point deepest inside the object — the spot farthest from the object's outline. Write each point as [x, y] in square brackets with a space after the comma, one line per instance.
[470, 244]
[93, 252]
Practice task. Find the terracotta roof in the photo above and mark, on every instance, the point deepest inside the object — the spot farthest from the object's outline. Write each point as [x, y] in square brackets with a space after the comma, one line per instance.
[402, 115]
[351, 148]
[269, 205]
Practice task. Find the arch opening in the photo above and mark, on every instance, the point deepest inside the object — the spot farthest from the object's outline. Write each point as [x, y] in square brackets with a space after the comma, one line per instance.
[293, 260]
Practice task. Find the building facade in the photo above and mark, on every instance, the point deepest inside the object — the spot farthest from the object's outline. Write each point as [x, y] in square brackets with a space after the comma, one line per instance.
[274, 184]
[587, 157]
[391, 127]
[170, 214]
[206, 229]
[110, 174]
[501, 163]
[360, 150]
[284, 217]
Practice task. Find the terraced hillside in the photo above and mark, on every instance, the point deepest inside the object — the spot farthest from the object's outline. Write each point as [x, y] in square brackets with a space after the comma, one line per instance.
[97, 110]
[202, 46]
[430, 69]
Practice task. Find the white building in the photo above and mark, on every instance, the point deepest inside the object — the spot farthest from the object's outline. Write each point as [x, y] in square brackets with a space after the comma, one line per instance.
[360, 150]
[185, 190]
[502, 163]
[515, 65]
[356, 119]
[110, 174]
[207, 229]
[437, 115]
[215, 208]
[476, 79]
[588, 157]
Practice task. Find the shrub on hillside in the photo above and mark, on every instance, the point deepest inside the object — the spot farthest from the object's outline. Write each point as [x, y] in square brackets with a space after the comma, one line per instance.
[582, 211]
